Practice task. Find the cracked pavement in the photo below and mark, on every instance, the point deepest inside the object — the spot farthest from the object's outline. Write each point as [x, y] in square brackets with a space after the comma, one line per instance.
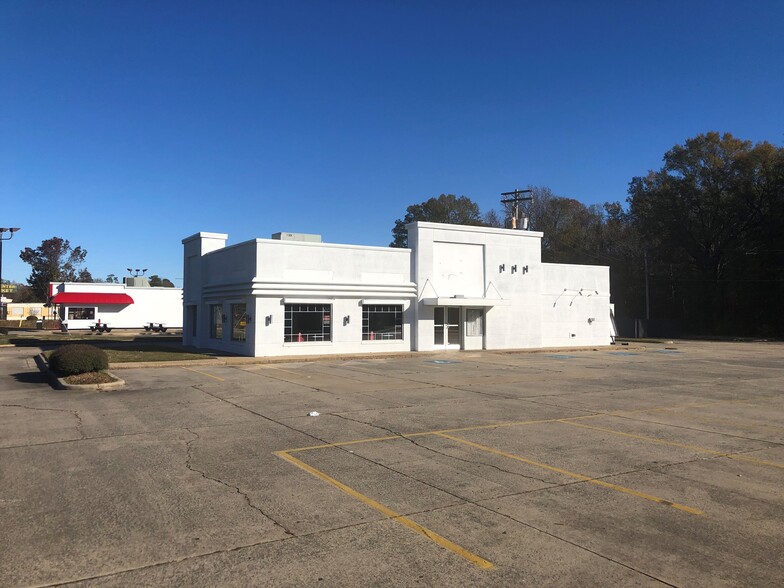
[173, 481]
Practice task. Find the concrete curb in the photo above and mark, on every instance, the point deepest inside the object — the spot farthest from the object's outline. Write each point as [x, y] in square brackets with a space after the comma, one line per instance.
[118, 383]
[60, 383]
[230, 361]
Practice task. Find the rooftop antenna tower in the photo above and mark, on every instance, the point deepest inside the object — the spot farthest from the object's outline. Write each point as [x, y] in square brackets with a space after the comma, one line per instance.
[518, 219]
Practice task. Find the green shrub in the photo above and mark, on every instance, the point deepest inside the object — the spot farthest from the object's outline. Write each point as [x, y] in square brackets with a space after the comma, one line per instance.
[32, 317]
[78, 358]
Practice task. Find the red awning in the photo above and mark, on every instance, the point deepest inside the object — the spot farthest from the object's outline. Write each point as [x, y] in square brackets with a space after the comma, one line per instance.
[91, 298]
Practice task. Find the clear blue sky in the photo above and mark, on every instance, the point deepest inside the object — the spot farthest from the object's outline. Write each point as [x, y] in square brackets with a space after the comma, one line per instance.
[127, 125]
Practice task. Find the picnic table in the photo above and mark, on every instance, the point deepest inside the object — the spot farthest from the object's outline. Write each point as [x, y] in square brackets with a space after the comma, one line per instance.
[100, 327]
[155, 327]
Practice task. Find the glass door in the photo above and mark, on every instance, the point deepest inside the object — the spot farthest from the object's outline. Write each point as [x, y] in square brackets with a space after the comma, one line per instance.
[446, 324]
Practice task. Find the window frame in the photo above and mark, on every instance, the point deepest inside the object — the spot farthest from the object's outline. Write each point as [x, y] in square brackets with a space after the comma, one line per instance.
[216, 326]
[237, 326]
[289, 334]
[91, 314]
[371, 310]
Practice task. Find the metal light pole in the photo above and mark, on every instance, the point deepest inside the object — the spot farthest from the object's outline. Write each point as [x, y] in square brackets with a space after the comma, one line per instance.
[10, 236]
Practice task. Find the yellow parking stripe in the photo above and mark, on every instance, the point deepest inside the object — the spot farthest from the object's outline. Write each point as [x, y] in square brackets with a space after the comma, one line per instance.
[389, 513]
[203, 373]
[577, 476]
[687, 405]
[425, 433]
[736, 422]
[272, 367]
[674, 444]
[342, 443]
[505, 424]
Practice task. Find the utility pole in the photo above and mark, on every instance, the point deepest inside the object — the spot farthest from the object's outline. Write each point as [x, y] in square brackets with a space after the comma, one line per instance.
[10, 236]
[515, 198]
[647, 296]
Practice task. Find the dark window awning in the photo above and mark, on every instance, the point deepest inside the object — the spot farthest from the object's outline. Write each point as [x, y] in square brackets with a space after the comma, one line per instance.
[91, 298]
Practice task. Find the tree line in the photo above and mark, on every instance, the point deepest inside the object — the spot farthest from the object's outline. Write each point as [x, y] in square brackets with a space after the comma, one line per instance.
[55, 261]
[699, 242]
[703, 236]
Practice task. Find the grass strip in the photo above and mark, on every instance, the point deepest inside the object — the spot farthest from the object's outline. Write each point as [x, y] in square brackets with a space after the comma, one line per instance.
[144, 354]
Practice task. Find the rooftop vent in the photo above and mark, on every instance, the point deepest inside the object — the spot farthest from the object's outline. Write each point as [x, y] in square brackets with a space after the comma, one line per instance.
[297, 237]
[137, 282]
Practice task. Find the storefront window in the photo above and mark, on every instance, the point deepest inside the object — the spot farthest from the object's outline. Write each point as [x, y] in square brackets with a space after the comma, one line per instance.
[216, 321]
[239, 321]
[77, 313]
[474, 322]
[382, 322]
[307, 322]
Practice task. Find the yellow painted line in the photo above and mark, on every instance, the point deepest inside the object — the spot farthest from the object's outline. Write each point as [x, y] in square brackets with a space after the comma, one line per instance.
[272, 367]
[709, 418]
[426, 433]
[749, 401]
[681, 445]
[738, 422]
[507, 424]
[762, 462]
[577, 476]
[203, 373]
[669, 407]
[342, 443]
[689, 405]
[389, 513]
[495, 426]
[692, 405]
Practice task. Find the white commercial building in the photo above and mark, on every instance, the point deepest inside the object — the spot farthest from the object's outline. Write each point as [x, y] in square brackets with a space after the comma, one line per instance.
[134, 304]
[457, 287]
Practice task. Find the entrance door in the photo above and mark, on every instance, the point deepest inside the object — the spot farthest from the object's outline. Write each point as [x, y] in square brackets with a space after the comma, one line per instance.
[447, 327]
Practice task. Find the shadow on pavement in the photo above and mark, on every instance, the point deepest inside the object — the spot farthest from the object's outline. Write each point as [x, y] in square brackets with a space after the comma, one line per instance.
[30, 377]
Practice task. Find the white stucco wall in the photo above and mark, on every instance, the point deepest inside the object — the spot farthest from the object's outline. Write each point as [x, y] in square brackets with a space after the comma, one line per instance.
[527, 304]
[340, 275]
[442, 256]
[266, 274]
[571, 295]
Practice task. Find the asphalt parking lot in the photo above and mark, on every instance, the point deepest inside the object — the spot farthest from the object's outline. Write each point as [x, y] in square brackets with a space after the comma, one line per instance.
[622, 466]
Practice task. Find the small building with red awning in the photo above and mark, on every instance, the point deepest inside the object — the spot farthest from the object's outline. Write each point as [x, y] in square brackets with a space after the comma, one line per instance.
[134, 304]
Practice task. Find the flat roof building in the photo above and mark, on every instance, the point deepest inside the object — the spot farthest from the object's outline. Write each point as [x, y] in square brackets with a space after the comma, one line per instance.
[134, 304]
[457, 287]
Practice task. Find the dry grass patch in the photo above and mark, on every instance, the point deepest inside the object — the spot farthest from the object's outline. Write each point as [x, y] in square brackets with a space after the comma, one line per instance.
[91, 378]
